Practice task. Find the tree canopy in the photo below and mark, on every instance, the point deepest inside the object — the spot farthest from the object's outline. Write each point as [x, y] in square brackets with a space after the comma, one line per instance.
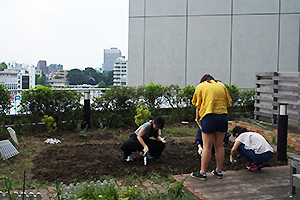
[90, 76]
[3, 66]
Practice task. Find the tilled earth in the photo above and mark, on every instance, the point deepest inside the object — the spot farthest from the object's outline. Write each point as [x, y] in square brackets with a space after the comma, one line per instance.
[81, 158]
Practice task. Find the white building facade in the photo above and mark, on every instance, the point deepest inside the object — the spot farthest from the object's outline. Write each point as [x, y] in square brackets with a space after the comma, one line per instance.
[178, 41]
[120, 71]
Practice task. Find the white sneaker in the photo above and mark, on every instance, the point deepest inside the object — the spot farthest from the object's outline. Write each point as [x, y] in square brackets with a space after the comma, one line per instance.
[129, 158]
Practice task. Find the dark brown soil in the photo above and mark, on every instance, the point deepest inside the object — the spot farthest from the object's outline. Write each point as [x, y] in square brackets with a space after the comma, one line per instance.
[82, 158]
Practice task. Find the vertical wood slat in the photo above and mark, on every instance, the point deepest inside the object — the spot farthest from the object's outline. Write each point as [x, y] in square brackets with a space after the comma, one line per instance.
[275, 101]
[283, 91]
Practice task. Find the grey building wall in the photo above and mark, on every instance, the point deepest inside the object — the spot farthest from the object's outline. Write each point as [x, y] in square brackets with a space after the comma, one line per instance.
[178, 41]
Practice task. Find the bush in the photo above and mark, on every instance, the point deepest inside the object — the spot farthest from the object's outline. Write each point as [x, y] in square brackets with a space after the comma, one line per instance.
[64, 106]
[116, 107]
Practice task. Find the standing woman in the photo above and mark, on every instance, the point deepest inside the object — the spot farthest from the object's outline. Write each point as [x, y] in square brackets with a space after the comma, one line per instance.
[211, 99]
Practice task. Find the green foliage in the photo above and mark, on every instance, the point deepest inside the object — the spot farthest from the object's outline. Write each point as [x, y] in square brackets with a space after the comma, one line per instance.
[64, 106]
[49, 123]
[153, 95]
[76, 77]
[244, 100]
[5, 103]
[40, 80]
[247, 100]
[142, 114]
[90, 76]
[101, 84]
[8, 185]
[3, 66]
[116, 107]
[234, 93]
[180, 100]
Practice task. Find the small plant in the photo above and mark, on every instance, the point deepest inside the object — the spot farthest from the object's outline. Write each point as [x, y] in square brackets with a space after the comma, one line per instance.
[8, 186]
[50, 124]
[102, 128]
[142, 114]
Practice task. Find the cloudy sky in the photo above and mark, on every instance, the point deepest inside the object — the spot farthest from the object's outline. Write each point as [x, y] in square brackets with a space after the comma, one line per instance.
[68, 32]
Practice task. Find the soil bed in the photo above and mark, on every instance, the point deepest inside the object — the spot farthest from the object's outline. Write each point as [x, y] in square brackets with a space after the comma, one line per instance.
[78, 159]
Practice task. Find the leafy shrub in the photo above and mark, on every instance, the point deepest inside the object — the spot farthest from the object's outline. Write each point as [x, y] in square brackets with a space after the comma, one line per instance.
[142, 114]
[49, 123]
[5, 104]
[64, 106]
[116, 107]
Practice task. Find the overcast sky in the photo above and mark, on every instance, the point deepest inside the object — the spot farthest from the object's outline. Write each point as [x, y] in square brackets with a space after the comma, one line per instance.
[73, 33]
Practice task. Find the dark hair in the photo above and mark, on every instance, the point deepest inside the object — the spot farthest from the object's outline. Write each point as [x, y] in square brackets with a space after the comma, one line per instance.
[159, 121]
[207, 77]
[238, 129]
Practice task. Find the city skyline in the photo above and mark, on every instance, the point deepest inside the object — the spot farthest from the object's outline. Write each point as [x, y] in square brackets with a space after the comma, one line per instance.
[72, 33]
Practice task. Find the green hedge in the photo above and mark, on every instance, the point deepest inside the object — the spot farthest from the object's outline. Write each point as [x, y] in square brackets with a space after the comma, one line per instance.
[116, 108]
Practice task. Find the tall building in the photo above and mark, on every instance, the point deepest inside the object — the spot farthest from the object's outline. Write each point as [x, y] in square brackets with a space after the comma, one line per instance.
[42, 65]
[54, 67]
[15, 79]
[231, 40]
[120, 71]
[109, 57]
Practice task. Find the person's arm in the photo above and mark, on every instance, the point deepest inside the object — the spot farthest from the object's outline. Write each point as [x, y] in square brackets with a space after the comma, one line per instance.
[234, 148]
[140, 137]
[158, 137]
[197, 114]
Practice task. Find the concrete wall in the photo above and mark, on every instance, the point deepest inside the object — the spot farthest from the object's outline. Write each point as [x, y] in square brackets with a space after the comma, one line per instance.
[178, 41]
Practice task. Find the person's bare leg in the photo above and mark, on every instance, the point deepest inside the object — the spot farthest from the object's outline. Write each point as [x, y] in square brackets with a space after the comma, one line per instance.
[219, 149]
[208, 141]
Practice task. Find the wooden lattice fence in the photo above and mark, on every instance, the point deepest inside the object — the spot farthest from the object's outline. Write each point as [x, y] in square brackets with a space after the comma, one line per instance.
[273, 88]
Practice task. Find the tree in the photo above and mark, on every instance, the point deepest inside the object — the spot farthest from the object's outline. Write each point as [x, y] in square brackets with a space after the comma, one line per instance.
[101, 84]
[41, 80]
[77, 77]
[5, 103]
[108, 78]
[92, 75]
[3, 66]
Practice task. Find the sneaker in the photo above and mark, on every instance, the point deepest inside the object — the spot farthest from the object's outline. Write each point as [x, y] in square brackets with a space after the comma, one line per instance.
[252, 167]
[149, 156]
[260, 165]
[217, 174]
[247, 167]
[129, 158]
[199, 176]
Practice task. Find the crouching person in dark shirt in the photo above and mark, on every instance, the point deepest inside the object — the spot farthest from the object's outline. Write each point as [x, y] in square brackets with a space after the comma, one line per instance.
[140, 140]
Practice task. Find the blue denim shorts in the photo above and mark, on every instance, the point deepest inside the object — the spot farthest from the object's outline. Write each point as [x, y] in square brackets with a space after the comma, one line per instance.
[214, 122]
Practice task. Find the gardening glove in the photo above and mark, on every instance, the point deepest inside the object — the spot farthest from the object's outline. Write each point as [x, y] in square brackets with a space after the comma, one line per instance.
[163, 140]
[232, 160]
[145, 150]
[200, 150]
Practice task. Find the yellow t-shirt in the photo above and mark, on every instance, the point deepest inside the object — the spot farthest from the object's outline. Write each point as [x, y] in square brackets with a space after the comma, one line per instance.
[211, 97]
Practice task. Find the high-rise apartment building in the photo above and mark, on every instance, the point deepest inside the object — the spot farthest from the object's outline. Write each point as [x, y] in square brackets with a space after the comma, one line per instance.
[42, 65]
[120, 71]
[231, 40]
[109, 57]
[54, 67]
